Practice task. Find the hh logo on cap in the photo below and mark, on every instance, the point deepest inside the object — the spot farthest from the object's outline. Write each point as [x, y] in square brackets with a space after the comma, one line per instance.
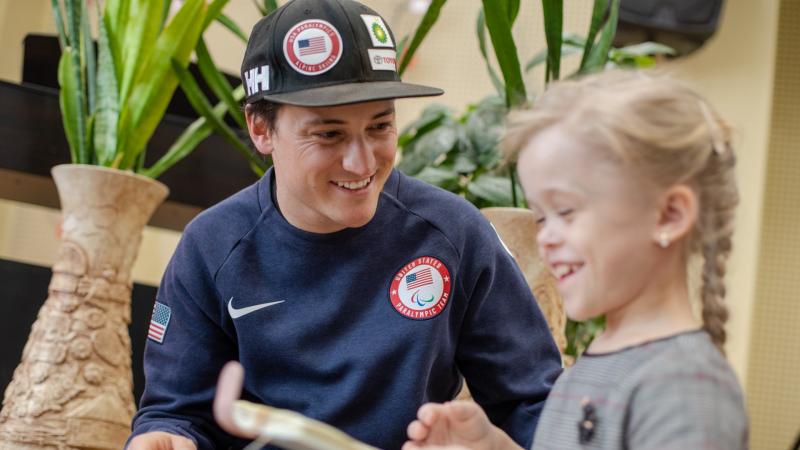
[378, 31]
[257, 80]
[421, 289]
[312, 47]
[383, 59]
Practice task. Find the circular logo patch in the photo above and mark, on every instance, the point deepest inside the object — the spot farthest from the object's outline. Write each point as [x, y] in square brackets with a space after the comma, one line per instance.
[421, 289]
[312, 47]
[380, 33]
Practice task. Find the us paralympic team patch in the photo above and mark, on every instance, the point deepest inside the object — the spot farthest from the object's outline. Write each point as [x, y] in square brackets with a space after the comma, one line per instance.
[312, 47]
[421, 289]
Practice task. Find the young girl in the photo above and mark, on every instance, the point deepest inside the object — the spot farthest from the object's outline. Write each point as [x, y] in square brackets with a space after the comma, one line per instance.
[629, 175]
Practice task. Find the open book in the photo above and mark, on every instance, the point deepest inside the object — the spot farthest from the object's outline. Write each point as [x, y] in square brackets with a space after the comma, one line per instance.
[291, 430]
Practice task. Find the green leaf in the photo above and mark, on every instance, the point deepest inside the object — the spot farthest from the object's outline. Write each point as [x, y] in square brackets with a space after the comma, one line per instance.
[512, 7]
[428, 20]
[228, 23]
[202, 107]
[438, 141]
[553, 12]
[599, 54]
[190, 139]
[261, 8]
[506, 52]
[59, 21]
[480, 30]
[141, 31]
[442, 177]
[116, 18]
[218, 83]
[464, 164]
[493, 189]
[412, 163]
[270, 5]
[433, 114]
[165, 12]
[213, 12]
[573, 40]
[566, 50]
[73, 8]
[75, 97]
[153, 90]
[646, 49]
[401, 45]
[70, 101]
[106, 110]
[90, 62]
[598, 11]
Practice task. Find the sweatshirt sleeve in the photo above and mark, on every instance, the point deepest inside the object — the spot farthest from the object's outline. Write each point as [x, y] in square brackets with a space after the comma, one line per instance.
[182, 362]
[505, 352]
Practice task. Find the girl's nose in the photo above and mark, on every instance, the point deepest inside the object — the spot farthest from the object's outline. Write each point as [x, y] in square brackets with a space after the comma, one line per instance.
[549, 235]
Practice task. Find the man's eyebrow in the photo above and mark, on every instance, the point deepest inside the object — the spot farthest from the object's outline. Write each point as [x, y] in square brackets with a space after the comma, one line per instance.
[387, 112]
[323, 121]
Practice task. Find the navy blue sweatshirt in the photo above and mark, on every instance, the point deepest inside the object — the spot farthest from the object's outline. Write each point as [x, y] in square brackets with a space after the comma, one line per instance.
[362, 326]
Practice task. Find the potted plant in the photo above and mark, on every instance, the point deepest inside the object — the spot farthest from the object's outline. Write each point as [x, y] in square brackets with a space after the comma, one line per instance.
[459, 151]
[72, 388]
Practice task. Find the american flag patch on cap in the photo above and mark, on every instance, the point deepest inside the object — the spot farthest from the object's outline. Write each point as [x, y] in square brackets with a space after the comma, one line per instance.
[159, 322]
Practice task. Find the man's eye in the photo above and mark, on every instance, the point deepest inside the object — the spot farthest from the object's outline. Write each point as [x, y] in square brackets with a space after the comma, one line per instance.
[382, 126]
[540, 220]
[565, 212]
[328, 134]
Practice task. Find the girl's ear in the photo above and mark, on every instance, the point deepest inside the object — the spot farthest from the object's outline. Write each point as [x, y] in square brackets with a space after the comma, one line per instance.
[677, 214]
[260, 133]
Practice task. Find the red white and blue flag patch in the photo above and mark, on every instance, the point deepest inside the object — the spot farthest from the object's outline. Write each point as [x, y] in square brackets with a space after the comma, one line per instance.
[312, 47]
[421, 289]
[159, 322]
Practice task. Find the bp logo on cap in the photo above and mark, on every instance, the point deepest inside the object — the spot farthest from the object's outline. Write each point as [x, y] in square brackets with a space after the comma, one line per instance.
[312, 47]
[377, 31]
[421, 289]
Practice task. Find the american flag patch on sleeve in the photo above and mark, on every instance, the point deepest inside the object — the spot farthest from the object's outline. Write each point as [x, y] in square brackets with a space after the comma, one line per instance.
[159, 322]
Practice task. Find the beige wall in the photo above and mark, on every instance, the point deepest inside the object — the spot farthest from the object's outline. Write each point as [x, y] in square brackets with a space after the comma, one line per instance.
[735, 70]
[18, 18]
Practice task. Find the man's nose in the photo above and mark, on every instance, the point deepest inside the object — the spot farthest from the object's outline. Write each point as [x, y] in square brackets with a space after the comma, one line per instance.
[359, 158]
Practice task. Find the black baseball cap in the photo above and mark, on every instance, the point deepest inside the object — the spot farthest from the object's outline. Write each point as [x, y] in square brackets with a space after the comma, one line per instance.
[324, 53]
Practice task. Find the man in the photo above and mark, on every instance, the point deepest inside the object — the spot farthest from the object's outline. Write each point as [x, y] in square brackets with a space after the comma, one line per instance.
[349, 292]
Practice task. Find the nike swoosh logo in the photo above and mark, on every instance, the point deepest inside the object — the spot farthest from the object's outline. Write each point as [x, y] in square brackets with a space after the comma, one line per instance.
[236, 313]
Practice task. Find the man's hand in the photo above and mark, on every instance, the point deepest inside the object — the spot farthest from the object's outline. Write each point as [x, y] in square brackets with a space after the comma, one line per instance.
[159, 440]
[229, 388]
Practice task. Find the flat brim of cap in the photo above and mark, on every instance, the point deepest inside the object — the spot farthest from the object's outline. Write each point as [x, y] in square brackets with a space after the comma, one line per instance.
[345, 94]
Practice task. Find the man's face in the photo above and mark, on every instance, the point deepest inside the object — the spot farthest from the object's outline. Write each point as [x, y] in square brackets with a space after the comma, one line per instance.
[330, 162]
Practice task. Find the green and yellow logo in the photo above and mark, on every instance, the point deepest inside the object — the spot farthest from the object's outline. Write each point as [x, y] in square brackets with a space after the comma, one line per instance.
[379, 33]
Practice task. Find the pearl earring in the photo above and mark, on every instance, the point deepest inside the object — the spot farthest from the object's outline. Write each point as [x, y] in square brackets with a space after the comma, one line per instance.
[663, 239]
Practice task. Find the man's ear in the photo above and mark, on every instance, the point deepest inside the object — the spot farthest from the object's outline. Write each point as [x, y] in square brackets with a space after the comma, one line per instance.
[260, 132]
[677, 214]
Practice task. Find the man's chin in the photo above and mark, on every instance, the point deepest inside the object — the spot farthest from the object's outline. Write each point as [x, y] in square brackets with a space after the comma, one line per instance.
[357, 220]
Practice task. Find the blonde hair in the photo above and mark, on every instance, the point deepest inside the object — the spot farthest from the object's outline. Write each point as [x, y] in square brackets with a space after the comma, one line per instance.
[667, 133]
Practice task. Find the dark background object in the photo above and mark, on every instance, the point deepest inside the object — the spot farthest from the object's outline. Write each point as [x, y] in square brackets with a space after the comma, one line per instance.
[24, 290]
[683, 25]
[40, 61]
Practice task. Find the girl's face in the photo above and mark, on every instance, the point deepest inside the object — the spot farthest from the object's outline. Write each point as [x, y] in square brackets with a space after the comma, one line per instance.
[597, 221]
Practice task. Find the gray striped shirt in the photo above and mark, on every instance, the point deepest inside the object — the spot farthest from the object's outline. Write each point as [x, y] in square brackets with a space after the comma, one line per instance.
[673, 393]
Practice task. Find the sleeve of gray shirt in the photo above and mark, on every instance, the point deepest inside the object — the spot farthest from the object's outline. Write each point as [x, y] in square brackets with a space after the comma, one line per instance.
[685, 407]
